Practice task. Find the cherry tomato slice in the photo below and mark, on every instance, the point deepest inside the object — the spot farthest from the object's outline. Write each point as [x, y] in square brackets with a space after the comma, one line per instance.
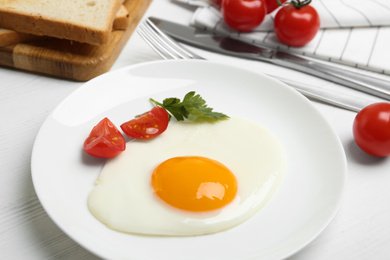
[243, 15]
[105, 140]
[371, 129]
[296, 27]
[148, 125]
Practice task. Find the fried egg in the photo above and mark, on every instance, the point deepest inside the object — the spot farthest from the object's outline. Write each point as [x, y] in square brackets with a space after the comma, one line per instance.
[194, 179]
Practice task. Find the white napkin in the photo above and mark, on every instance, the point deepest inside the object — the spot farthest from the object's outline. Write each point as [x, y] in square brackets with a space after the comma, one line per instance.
[353, 32]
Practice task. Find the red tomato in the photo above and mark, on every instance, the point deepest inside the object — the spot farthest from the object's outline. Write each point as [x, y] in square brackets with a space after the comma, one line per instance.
[272, 5]
[148, 125]
[371, 129]
[296, 26]
[105, 140]
[243, 15]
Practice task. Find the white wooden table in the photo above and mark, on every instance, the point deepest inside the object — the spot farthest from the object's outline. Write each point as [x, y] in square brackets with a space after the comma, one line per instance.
[360, 230]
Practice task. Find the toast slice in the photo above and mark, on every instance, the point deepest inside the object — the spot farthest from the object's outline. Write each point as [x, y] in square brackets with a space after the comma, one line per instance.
[8, 37]
[89, 21]
[122, 20]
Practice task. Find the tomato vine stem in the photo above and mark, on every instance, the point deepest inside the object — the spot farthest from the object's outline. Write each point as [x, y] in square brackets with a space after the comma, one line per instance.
[296, 3]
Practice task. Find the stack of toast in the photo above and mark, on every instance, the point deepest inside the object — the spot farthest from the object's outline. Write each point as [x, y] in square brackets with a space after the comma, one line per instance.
[89, 21]
[51, 32]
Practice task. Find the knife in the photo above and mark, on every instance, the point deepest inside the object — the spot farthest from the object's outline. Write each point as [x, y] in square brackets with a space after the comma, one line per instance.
[229, 46]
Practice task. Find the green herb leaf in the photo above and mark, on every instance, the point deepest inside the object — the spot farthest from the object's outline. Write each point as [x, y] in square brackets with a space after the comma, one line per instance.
[193, 107]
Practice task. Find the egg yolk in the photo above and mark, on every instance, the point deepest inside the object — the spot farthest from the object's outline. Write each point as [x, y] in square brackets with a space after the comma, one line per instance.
[194, 183]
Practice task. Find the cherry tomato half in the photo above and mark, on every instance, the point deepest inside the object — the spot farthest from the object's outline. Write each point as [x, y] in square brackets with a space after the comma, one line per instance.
[272, 5]
[296, 26]
[105, 140]
[148, 125]
[371, 129]
[243, 15]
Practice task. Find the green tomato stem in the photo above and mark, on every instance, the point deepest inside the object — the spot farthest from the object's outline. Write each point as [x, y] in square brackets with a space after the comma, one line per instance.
[298, 3]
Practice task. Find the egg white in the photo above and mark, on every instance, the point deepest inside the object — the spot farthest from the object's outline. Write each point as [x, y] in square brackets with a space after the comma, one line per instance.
[124, 200]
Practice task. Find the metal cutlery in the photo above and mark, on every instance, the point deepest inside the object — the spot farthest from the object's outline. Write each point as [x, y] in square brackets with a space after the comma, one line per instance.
[229, 46]
[168, 48]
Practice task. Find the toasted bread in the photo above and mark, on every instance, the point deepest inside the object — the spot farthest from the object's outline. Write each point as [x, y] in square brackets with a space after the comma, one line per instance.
[8, 37]
[89, 21]
[122, 20]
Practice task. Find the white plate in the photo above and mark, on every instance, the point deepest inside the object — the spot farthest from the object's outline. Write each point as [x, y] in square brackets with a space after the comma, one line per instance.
[304, 204]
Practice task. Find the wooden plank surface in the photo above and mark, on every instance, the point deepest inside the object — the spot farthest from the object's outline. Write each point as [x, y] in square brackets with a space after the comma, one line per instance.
[69, 59]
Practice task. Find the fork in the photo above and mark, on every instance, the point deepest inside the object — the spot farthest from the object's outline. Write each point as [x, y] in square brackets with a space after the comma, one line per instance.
[168, 48]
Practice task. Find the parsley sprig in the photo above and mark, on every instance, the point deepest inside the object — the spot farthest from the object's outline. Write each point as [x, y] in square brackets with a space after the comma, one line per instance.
[193, 107]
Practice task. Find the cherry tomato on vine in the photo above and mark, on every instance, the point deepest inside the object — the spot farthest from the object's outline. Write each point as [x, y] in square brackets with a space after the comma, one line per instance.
[148, 125]
[296, 23]
[243, 15]
[371, 129]
[272, 5]
[105, 140]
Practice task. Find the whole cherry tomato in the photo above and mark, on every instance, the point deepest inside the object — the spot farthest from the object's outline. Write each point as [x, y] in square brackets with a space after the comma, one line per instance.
[371, 129]
[148, 125]
[296, 25]
[243, 15]
[105, 140]
[272, 5]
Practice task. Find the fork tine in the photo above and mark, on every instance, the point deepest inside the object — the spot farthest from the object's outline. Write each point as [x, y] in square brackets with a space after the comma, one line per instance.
[163, 44]
[158, 46]
[174, 46]
[152, 44]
